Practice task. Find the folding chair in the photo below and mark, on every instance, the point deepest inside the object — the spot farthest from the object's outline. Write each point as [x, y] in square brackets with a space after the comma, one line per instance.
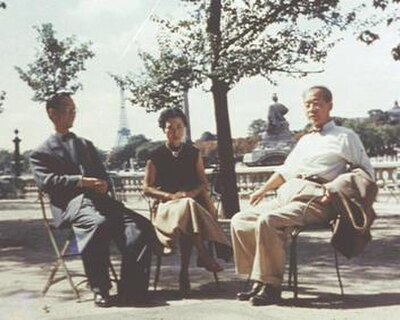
[216, 192]
[293, 274]
[64, 251]
[153, 205]
[118, 191]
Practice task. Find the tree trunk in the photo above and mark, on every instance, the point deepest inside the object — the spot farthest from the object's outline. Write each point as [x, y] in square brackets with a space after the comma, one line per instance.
[220, 88]
[187, 114]
[230, 199]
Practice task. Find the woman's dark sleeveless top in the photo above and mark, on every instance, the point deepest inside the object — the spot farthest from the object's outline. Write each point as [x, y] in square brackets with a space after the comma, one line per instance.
[175, 174]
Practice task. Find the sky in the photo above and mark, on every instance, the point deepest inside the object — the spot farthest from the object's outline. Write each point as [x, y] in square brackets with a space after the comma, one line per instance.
[361, 77]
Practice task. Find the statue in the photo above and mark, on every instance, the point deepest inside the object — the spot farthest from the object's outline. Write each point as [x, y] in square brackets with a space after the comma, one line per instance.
[394, 113]
[276, 143]
[276, 122]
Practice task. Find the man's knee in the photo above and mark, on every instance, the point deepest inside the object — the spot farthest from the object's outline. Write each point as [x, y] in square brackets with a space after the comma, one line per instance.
[270, 220]
[238, 220]
[91, 220]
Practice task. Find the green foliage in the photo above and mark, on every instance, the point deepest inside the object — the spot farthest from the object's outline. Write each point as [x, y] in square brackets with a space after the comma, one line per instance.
[387, 13]
[119, 157]
[2, 98]
[257, 127]
[102, 155]
[25, 161]
[257, 38]
[378, 140]
[57, 64]
[208, 136]
[5, 161]
[143, 152]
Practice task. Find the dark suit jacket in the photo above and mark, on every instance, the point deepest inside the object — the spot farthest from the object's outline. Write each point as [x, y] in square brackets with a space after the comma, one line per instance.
[56, 174]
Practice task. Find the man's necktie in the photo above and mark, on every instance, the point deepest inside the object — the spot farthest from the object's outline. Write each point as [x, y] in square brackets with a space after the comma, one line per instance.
[314, 130]
[68, 136]
[69, 140]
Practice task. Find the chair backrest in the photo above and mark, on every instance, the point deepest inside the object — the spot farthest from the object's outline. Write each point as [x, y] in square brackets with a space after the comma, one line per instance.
[69, 246]
[153, 205]
[117, 188]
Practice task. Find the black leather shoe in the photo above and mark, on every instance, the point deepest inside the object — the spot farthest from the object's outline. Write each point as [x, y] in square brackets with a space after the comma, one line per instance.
[102, 300]
[266, 296]
[246, 295]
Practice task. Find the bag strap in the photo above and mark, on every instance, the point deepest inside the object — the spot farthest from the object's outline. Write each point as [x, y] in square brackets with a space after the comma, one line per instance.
[364, 225]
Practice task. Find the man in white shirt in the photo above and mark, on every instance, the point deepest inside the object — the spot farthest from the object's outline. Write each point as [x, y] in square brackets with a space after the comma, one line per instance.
[259, 237]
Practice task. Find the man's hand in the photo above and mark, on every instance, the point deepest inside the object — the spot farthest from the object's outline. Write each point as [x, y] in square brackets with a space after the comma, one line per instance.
[256, 197]
[326, 199]
[95, 184]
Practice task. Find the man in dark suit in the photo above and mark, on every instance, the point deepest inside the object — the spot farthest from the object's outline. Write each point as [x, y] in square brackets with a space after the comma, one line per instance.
[69, 170]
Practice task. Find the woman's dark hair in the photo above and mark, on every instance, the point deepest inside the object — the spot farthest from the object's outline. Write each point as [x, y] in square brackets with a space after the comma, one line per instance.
[170, 113]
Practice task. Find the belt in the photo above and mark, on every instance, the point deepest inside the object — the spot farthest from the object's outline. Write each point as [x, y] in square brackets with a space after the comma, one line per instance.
[312, 178]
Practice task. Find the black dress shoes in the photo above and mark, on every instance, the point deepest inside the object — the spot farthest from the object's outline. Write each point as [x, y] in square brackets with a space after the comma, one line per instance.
[246, 295]
[103, 300]
[266, 296]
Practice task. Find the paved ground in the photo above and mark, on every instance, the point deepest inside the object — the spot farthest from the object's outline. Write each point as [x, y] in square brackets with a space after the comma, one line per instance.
[372, 280]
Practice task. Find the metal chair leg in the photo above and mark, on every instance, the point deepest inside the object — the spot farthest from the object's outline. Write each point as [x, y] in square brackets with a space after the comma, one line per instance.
[158, 269]
[338, 272]
[113, 273]
[294, 270]
[292, 248]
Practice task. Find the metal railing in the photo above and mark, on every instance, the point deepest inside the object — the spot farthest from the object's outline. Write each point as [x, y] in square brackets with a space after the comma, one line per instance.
[249, 179]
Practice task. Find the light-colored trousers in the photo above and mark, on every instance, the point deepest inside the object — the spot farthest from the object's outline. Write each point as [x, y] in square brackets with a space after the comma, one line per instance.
[259, 237]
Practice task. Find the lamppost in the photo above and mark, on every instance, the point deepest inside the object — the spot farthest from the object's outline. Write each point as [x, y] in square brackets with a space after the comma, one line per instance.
[17, 156]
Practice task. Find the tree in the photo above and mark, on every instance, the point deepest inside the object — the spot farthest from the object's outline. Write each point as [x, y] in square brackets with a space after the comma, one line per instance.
[378, 138]
[257, 127]
[2, 93]
[222, 42]
[57, 64]
[2, 98]
[143, 151]
[119, 157]
[208, 136]
[389, 13]
[6, 158]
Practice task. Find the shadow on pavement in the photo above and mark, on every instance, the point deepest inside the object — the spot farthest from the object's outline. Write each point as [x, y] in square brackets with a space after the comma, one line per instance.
[359, 301]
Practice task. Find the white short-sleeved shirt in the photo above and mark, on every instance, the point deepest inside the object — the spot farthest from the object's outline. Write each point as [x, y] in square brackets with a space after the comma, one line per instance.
[325, 154]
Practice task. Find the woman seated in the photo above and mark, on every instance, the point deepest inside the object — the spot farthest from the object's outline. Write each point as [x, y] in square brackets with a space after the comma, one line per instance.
[175, 177]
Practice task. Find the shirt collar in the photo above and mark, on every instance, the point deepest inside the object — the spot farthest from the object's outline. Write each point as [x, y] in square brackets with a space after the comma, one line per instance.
[327, 127]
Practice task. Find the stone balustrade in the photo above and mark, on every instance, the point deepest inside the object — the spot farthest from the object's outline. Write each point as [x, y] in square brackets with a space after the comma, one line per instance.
[248, 179]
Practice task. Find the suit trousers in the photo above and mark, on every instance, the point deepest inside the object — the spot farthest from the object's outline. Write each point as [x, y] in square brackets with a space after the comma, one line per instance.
[96, 225]
[259, 237]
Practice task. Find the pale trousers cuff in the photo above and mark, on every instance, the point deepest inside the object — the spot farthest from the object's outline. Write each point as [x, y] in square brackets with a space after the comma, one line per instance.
[274, 281]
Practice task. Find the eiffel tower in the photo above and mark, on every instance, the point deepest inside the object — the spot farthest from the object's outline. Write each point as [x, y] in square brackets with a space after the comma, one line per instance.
[124, 133]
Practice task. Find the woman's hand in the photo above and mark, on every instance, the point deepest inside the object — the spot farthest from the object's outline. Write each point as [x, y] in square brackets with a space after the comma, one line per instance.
[178, 195]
